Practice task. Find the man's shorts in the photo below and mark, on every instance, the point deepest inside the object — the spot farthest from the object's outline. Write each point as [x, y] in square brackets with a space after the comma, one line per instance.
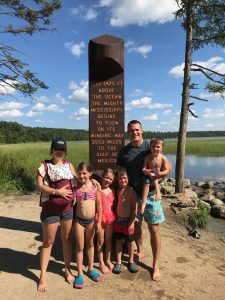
[47, 218]
[120, 228]
[153, 213]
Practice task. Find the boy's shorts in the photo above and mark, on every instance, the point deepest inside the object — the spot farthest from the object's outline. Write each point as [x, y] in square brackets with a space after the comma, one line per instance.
[153, 213]
[120, 228]
[47, 218]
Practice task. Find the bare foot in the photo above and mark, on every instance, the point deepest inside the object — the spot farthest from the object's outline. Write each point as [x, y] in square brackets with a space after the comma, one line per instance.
[110, 265]
[139, 255]
[42, 286]
[69, 277]
[156, 276]
[104, 269]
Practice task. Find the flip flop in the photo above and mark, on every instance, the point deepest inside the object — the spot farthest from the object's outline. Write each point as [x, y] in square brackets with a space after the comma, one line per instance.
[194, 233]
[79, 282]
[94, 275]
[117, 269]
[132, 267]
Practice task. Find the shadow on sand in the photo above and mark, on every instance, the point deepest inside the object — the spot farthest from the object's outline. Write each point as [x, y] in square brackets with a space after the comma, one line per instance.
[20, 262]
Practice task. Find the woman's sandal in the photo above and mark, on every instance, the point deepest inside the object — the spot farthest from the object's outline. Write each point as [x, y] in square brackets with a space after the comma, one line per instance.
[117, 269]
[94, 275]
[132, 267]
[79, 282]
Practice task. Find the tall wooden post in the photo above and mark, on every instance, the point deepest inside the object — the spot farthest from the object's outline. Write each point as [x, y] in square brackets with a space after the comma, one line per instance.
[106, 100]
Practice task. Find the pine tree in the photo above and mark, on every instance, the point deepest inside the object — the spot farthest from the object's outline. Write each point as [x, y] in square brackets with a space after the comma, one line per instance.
[204, 24]
[25, 17]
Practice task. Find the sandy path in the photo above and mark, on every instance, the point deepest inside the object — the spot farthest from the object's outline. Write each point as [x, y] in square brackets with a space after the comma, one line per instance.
[191, 268]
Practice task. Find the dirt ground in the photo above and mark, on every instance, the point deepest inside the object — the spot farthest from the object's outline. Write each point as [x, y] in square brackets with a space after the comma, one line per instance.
[191, 268]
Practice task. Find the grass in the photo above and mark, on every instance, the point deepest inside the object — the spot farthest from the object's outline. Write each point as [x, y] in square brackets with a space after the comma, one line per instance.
[199, 218]
[19, 161]
[200, 147]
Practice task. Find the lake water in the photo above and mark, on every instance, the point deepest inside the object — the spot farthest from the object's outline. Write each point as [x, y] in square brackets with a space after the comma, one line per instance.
[203, 169]
[199, 168]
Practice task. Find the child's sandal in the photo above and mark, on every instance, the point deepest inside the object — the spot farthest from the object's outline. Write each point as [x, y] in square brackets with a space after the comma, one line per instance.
[132, 267]
[94, 275]
[79, 282]
[117, 269]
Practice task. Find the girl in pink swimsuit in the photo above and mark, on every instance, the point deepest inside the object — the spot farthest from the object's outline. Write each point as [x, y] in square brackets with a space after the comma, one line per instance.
[88, 202]
[108, 216]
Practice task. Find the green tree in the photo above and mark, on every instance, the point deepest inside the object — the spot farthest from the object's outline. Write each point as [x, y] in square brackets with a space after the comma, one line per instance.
[204, 24]
[19, 17]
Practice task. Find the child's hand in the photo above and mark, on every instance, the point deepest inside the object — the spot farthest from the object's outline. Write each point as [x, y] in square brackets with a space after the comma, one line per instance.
[131, 227]
[96, 184]
[141, 209]
[157, 197]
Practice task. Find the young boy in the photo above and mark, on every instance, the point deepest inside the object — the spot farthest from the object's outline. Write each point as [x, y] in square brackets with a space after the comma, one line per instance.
[151, 208]
[153, 163]
[124, 225]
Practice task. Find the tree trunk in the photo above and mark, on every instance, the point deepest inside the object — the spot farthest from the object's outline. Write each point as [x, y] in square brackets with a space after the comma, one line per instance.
[181, 143]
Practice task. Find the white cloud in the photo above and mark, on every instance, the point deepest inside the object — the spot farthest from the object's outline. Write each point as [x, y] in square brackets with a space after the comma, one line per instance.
[31, 113]
[6, 88]
[54, 107]
[39, 121]
[126, 12]
[80, 92]
[40, 107]
[211, 96]
[135, 93]
[143, 50]
[75, 49]
[60, 99]
[177, 71]
[42, 99]
[12, 105]
[15, 113]
[213, 113]
[91, 14]
[152, 117]
[145, 102]
[214, 63]
[82, 113]
[167, 112]
[88, 14]
[129, 43]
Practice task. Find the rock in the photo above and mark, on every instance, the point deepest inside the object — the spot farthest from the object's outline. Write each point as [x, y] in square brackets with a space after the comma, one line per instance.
[209, 184]
[171, 180]
[207, 205]
[218, 211]
[191, 194]
[220, 195]
[169, 184]
[187, 183]
[208, 198]
[167, 190]
[200, 184]
[216, 202]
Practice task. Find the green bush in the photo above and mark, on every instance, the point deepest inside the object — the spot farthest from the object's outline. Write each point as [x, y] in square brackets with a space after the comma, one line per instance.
[199, 218]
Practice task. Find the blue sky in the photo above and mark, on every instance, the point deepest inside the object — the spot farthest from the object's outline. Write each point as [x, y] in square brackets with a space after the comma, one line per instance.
[153, 53]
